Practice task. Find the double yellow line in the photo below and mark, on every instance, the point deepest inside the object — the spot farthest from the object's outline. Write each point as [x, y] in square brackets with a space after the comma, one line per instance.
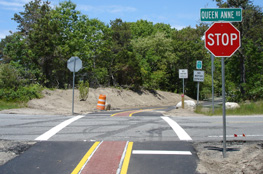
[93, 148]
[137, 111]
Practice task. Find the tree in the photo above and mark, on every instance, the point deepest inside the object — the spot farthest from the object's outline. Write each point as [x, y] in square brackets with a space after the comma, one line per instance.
[240, 67]
[33, 11]
[141, 28]
[124, 65]
[155, 55]
[188, 47]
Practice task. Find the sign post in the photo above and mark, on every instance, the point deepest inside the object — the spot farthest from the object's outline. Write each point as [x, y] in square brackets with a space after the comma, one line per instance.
[213, 69]
[183, 74]
[74, 64]
[222, 40]
[224, 106]
[199, 76]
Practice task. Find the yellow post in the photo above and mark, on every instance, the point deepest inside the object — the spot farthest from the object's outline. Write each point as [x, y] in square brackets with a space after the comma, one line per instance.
[183, 101]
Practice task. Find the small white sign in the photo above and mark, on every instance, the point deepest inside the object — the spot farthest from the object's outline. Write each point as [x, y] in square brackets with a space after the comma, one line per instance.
[183, 73]
[199, 76]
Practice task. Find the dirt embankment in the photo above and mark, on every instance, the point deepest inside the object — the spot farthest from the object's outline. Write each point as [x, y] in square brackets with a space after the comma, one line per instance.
[60, 101]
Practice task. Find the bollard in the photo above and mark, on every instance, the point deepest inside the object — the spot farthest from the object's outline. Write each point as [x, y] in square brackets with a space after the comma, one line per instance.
[183, 101]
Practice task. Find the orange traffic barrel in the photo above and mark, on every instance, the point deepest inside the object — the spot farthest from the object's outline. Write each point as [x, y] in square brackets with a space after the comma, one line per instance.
[101, 102]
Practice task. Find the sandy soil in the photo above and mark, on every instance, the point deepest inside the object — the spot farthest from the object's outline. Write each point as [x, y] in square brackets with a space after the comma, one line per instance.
[59, 102]
[242, 157]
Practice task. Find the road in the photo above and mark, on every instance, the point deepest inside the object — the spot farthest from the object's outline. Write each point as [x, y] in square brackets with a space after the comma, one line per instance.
[132, 141]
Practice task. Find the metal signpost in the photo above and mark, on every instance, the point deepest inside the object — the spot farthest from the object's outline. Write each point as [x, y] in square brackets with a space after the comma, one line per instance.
[183, 74]
[213, 69]
[222, 40]
[74, 64]
[199, 76]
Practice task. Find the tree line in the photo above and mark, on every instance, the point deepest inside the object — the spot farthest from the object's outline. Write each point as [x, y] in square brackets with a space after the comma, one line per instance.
[132, 55]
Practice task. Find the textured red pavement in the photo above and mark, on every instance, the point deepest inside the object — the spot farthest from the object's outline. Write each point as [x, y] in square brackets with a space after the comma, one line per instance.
[106, 159]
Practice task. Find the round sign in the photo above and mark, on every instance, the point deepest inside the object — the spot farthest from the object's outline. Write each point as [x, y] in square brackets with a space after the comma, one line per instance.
[74, 63]
[222, 39]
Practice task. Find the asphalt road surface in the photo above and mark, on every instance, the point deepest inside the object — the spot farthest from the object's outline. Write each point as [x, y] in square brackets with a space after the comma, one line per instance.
[132, 141]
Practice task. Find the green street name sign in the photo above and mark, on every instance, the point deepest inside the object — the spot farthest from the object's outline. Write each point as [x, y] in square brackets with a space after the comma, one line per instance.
[221, 14]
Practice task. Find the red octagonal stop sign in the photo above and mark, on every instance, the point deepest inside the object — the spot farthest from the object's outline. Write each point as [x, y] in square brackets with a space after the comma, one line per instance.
[222, 39]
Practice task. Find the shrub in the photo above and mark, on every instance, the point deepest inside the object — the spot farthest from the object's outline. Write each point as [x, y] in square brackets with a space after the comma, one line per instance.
[83, 90]
[21, 93]
[9, 76]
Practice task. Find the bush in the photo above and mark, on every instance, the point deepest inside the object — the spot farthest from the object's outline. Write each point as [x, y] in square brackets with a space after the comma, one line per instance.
[21, 94]
[9, 76]
[83, 90]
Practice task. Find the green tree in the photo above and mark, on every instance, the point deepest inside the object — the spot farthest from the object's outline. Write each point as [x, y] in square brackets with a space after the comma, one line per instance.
[155, 56]
[33, 11]
[245, 67]
[124, 65]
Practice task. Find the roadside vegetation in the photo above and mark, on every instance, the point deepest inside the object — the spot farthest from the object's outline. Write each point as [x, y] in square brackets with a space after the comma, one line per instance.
[121, 54]
[15, 90]
[251, 108]
[10, 105]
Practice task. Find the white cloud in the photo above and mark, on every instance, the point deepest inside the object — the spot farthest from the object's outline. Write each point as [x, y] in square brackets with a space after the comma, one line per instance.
[10, 4]
[106, 9]
[14, 5]
[178, 27]
[120, 9]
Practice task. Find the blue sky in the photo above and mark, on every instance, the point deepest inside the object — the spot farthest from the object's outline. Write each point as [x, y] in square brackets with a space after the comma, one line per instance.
[177, 13]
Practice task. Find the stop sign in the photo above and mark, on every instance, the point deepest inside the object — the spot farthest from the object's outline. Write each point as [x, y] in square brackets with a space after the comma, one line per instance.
[222, 39]
[74, 63]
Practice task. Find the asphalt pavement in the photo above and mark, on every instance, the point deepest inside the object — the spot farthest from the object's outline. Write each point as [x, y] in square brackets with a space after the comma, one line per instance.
[130, 141]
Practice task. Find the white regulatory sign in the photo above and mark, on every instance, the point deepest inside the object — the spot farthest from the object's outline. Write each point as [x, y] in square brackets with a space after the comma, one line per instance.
[199, 76]
[183, 73]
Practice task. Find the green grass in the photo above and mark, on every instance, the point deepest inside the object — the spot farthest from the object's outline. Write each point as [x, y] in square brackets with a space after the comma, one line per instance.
[253, 108]
[11, 105]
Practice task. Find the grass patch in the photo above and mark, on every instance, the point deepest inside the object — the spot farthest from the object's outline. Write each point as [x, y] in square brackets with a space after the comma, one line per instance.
[252, 108]
[11, 105]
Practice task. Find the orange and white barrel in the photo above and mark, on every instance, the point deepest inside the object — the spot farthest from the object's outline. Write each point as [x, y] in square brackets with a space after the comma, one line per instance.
[101, 102]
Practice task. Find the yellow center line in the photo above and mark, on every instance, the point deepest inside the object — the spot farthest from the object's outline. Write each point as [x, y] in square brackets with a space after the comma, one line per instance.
[144, 111]
[85, 158]
[126, 161]
[119, 113]
[136, 111]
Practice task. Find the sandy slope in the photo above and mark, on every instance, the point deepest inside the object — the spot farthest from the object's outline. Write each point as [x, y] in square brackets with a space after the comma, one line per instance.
[60, 101]
[242, 158]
